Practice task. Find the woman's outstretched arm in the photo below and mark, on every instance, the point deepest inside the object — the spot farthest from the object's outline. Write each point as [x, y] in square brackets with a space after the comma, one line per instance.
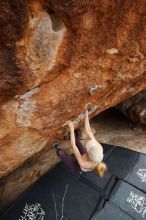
[87, 126]
[73, 144]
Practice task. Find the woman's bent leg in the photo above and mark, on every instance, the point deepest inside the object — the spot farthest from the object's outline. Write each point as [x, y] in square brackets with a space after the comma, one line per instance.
[81, 148]
[68, 160]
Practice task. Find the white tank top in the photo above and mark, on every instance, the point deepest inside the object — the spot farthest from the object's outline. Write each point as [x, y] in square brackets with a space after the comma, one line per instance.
[86, 170]
[97, 157]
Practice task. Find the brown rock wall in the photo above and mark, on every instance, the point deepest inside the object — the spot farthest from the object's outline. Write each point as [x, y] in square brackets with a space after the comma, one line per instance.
[55, 58]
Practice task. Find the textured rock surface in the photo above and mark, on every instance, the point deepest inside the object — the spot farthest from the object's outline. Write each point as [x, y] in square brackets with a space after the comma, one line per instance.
[135, 108]
[56, 57]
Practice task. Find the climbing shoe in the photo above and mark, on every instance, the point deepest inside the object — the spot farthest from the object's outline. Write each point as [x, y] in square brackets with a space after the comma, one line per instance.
[56, 145]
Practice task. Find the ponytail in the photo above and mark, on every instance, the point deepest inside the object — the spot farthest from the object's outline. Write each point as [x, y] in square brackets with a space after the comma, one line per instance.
[101, 169]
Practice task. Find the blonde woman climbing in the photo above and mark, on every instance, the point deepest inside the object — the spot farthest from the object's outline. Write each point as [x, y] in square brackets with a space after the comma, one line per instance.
[86, 158]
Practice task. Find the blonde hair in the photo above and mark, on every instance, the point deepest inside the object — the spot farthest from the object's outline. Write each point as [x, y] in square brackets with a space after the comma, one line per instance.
[101, 169]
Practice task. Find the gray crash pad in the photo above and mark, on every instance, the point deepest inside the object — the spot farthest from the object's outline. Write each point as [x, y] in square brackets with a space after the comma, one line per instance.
[130, 200]
[137, 176]
[111, 212]
[121, 162]
[104, 184]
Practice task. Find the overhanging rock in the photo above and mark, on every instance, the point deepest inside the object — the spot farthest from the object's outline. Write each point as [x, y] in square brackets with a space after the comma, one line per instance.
[58, 56]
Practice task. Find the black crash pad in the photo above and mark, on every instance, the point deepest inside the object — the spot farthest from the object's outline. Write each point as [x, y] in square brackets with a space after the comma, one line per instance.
[81, 196]
[104, 184]
[138, 175]
[130, 200]
[46, 196]
[111, 212]
[121, 161]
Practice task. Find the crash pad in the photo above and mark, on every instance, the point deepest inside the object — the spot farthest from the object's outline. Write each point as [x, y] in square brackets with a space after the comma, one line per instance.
[58, 193]
[130, 200]
[137, 176]
[111, 212]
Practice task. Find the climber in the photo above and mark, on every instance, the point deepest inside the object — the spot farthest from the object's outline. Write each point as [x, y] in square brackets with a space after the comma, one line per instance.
[86, 159]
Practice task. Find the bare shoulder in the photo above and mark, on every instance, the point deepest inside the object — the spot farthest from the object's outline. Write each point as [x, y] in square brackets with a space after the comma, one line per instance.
[87, 164]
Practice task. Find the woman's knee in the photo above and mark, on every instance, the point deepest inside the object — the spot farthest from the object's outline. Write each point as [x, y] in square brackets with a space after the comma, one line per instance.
[60, 152]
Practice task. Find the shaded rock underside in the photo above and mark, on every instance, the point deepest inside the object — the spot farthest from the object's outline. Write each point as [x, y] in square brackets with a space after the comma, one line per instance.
[135, 108]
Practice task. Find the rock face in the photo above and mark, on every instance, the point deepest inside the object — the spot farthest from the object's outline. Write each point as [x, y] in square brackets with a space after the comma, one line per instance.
[134, 108]
[57, 56]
